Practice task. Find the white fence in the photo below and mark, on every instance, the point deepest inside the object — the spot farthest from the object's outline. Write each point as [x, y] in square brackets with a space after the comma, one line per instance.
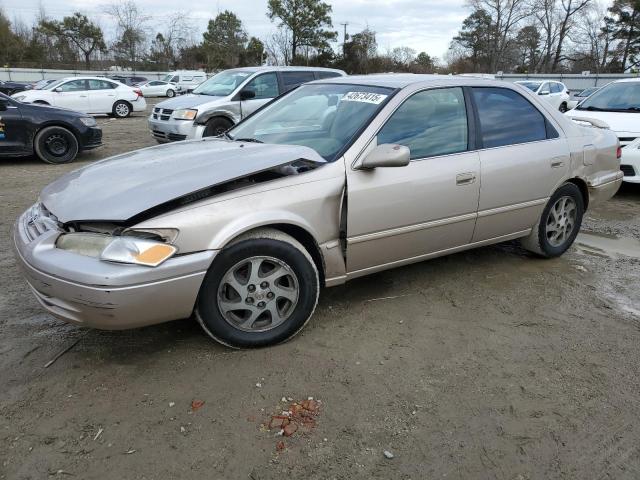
[573, 81]
[35, 74]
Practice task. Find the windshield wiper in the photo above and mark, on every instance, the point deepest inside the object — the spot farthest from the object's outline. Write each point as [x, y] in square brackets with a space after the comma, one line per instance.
[592, 109]
[252, 140]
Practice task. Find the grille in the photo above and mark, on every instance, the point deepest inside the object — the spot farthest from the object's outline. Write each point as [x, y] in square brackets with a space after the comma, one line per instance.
[162, 113]
[626, 140]
[176, 137]
[628, 170]
[38, 220]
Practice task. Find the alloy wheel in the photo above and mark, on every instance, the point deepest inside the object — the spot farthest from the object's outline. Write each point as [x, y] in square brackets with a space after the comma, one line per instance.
[258, 294]
[561, 221]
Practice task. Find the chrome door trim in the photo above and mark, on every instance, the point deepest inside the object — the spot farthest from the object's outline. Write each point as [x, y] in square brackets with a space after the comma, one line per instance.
[509, 208]
[410, 228]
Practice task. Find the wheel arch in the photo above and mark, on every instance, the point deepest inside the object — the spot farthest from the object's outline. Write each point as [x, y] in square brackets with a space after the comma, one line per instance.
[294, 230]
[584, 189]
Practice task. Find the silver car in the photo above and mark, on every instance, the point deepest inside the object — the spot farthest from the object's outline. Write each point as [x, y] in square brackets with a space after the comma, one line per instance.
[337, 179]
[226, 98]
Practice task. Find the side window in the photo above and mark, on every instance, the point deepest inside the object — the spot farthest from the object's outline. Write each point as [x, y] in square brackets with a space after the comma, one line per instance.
[74, 86]
[265, 86]
[320, 75]
[175, 79]
[556, 87]
[430, 123]
[187, 79]
[293, 79]
[506, 118]
[156, 83]
[100, 85]
[545, 88]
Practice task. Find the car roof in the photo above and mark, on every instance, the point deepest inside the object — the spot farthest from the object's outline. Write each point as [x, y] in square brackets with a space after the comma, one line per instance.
[402, 80]
[286, 69]
[626, 80]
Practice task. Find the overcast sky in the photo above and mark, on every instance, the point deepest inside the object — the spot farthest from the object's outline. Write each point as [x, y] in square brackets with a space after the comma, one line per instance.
[424, 25]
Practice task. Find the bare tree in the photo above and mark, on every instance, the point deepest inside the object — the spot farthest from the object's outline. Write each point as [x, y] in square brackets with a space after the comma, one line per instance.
[505, 15]
[568, 12]
[132, 29]
[278, 47]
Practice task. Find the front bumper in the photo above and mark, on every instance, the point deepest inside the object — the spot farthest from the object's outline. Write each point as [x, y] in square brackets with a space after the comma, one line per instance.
[91, 138]
[603, 188]
[92, 293]
[174, 130]
[630, 163]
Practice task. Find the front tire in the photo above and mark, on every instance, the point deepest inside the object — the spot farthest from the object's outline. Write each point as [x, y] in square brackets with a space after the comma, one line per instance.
[171, 93]
[216, 127]
[56, 145]
[121, 109]
[559, 224]
[259, 291]
[563, 107]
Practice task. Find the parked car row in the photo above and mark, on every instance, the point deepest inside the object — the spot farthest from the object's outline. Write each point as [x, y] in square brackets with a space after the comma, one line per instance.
[337, 179]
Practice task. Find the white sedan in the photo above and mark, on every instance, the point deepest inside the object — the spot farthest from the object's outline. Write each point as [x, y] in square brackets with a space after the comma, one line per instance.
[95, 95]
[553, 92]
[159, 88]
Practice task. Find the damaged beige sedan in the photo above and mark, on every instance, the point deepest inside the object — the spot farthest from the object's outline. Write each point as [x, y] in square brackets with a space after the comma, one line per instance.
[337, 179]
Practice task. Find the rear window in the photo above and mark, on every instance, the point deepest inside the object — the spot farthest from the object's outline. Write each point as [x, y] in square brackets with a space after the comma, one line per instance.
[507, 118]
[320, 75]
[293, 79]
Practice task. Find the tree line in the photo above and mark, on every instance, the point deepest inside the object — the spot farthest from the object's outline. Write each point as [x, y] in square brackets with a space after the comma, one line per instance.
[547, 36]
[510, 35]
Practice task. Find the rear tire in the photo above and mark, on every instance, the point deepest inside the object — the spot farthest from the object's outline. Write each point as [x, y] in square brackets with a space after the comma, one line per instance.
[216, 127]
[121, 109]
[56, 145]
[559, 223]
[261, 290]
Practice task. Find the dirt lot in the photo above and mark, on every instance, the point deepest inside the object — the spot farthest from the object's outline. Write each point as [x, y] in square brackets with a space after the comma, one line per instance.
[486, 364]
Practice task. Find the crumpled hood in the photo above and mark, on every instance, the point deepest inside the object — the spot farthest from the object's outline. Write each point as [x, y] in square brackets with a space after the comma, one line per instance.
[190, 100]
[121, 187]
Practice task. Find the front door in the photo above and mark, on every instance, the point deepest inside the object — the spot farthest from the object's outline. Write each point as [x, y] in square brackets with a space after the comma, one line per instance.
[400, 214]
[13, 131]
[265, 86]
[73, 94]
[523, 159]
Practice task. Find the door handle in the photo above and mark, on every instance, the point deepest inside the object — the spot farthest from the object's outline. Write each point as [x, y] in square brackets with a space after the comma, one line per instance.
[465, 178]
[557, 163]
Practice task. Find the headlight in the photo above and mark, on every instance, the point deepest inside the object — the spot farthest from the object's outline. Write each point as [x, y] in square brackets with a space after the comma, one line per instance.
[185, 114]
[123, 249]
[19, 97]
[89, 121]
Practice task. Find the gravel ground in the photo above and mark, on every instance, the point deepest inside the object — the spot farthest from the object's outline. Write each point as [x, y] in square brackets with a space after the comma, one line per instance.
[489, 364]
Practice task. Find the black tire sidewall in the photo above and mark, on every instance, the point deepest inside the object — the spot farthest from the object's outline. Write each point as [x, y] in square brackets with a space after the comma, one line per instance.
[308, 283]
[566, 190]
[115, 106]
[45, 156]
[214, 124]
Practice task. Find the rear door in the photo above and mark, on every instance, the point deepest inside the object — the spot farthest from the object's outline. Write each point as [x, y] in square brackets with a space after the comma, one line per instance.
[430, 205]
[73, 94]
[102, 96]
[291, 80]
[13, 128]
[265, 86]
[523, 160]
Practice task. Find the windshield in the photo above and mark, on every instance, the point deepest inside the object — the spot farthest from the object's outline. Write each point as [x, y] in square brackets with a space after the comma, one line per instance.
[533, 86]
[53, 85]
[324, 117]
[623, 96]
[586, 92]
[222, 84]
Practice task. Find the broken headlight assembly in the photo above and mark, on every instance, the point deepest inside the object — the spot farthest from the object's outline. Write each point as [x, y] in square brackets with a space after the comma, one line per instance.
[138, 247]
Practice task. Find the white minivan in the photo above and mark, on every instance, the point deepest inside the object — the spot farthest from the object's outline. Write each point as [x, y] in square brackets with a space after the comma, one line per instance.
[186, 80]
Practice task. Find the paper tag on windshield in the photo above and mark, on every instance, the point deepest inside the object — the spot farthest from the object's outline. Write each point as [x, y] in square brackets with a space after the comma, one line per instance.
[365, 97]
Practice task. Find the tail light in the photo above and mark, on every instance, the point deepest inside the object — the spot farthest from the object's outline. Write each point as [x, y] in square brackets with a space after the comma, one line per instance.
[619, 152]
[138, 92]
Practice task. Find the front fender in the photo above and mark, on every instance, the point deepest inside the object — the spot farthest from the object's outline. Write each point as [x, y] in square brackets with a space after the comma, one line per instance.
[230, 113]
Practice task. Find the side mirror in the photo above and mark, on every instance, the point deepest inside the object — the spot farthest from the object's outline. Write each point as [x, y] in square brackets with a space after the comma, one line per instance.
[57, 89]
[544, 92]
[387, 155]
[3, 104]
[247, 94]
